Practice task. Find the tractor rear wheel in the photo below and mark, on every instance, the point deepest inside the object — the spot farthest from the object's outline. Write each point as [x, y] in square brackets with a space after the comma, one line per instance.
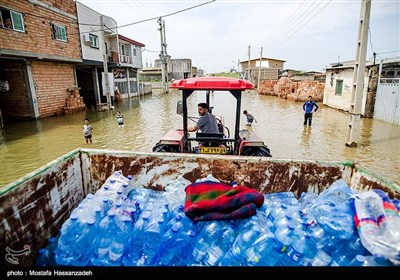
[262, 151]
[165, 148]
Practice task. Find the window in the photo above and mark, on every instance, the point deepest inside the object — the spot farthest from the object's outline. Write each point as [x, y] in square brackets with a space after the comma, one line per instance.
[339, 87]
[12, 20]
[134, 51]
[94, 41]
[59, 32]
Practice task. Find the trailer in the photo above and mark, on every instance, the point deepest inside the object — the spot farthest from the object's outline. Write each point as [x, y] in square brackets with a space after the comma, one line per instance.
[34, 207]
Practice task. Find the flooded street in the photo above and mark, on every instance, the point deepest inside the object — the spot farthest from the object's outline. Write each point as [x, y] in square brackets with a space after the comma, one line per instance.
[30, 144]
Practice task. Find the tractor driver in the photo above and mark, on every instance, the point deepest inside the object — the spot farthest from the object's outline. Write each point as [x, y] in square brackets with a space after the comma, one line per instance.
[207, 122]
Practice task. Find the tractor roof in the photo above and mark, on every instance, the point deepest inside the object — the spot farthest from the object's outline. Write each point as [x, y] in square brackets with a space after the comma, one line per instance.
[212, 83]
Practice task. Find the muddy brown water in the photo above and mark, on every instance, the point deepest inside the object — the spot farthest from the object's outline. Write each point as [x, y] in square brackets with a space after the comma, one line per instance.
[31, 144]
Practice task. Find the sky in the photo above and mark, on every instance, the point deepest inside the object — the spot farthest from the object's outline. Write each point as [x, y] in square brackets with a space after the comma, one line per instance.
[308, 35]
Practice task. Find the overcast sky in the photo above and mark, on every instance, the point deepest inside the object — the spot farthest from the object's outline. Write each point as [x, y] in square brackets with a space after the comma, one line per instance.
[307, 34]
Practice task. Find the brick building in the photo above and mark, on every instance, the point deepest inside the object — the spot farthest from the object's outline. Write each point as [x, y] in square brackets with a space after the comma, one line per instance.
[37, 57]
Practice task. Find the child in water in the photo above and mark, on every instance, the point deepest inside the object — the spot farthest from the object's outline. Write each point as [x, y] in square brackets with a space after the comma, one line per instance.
[250, 118]
[87, 131]
[120, 119]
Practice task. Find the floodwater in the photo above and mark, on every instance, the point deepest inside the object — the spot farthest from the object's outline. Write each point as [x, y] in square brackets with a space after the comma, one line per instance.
[31, 144]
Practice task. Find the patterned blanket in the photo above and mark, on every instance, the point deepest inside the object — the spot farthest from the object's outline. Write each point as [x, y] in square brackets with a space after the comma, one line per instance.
[210, 200]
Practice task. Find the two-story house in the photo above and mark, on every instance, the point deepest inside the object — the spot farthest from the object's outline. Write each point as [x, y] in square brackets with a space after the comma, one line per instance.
[99, 43]
[39, 45]
[126, 76]
[110, 60]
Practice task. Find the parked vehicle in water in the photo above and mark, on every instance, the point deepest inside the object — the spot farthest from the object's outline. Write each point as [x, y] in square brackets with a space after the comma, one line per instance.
[227, 142]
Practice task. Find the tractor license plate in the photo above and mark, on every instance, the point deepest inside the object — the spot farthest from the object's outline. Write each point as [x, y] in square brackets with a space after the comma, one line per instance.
[212, 150]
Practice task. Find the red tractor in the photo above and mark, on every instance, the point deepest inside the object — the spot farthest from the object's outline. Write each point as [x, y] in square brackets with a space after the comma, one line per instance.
[242, 142]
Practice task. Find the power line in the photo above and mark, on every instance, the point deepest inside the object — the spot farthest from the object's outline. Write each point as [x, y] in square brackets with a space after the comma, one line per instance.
[291, 35]
[150, 51]
[296, 22]
[153, 18]
[292, 17]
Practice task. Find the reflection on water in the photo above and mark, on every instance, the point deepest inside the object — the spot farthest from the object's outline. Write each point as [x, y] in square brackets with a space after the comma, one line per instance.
[31, 144]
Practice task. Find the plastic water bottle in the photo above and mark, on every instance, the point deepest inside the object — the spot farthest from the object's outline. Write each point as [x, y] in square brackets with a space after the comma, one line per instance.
[175, 244]
[300, 252]
[209, 232]
[84, 244]
[69, 230]
[52, 246]
[136, 240]
[391, 224]
[307, 199]
[186, 244]
[44, 258]
[353, 247]
[219, 247]
[119, 241]
[283, 239]
[288, 198]
[263, 253]
[175, 191]
[210, 177]
[369, 260]
[153, 233]
[333, 211]
[75, 245]
[166, 251]
[101, 248]
[369, 210]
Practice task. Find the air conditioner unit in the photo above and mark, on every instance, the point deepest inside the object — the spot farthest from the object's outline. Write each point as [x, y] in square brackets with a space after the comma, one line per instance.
[86, 39]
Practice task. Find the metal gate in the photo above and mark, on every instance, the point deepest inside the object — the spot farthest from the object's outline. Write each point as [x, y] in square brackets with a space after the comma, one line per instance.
[387, 102]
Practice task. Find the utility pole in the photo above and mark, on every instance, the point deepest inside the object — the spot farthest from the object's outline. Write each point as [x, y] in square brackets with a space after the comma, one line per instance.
[105, 70]
[353, 128]
[259, 70]
[163, 56]
[248, 67]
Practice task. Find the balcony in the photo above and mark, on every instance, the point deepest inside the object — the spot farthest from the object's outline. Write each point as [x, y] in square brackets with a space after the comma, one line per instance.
[125, 58]
[113, 56]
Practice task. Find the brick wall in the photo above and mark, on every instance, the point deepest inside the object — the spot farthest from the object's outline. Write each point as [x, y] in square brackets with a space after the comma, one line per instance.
[52, 81]
[37, 37]
[14, 102]
[295, 91]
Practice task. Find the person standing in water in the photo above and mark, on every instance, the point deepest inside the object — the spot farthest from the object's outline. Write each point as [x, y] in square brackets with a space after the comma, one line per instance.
[308, 108]
[87, 131]
[120, 119]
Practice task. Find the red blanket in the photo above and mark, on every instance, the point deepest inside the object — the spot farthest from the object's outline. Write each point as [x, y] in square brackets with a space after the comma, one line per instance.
[218, 201]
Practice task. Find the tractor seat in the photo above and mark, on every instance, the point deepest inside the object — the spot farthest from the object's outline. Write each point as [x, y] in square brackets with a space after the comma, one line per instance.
[210, 139]
[209, 135]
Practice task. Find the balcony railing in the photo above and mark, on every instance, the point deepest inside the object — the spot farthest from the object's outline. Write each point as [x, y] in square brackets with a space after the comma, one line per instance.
[125, 58]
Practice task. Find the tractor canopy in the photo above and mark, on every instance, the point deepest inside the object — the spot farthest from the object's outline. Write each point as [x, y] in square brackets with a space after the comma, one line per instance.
[212, 83]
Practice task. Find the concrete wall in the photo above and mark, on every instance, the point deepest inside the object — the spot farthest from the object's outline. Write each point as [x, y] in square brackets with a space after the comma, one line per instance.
[342, 101]
[87, 15]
